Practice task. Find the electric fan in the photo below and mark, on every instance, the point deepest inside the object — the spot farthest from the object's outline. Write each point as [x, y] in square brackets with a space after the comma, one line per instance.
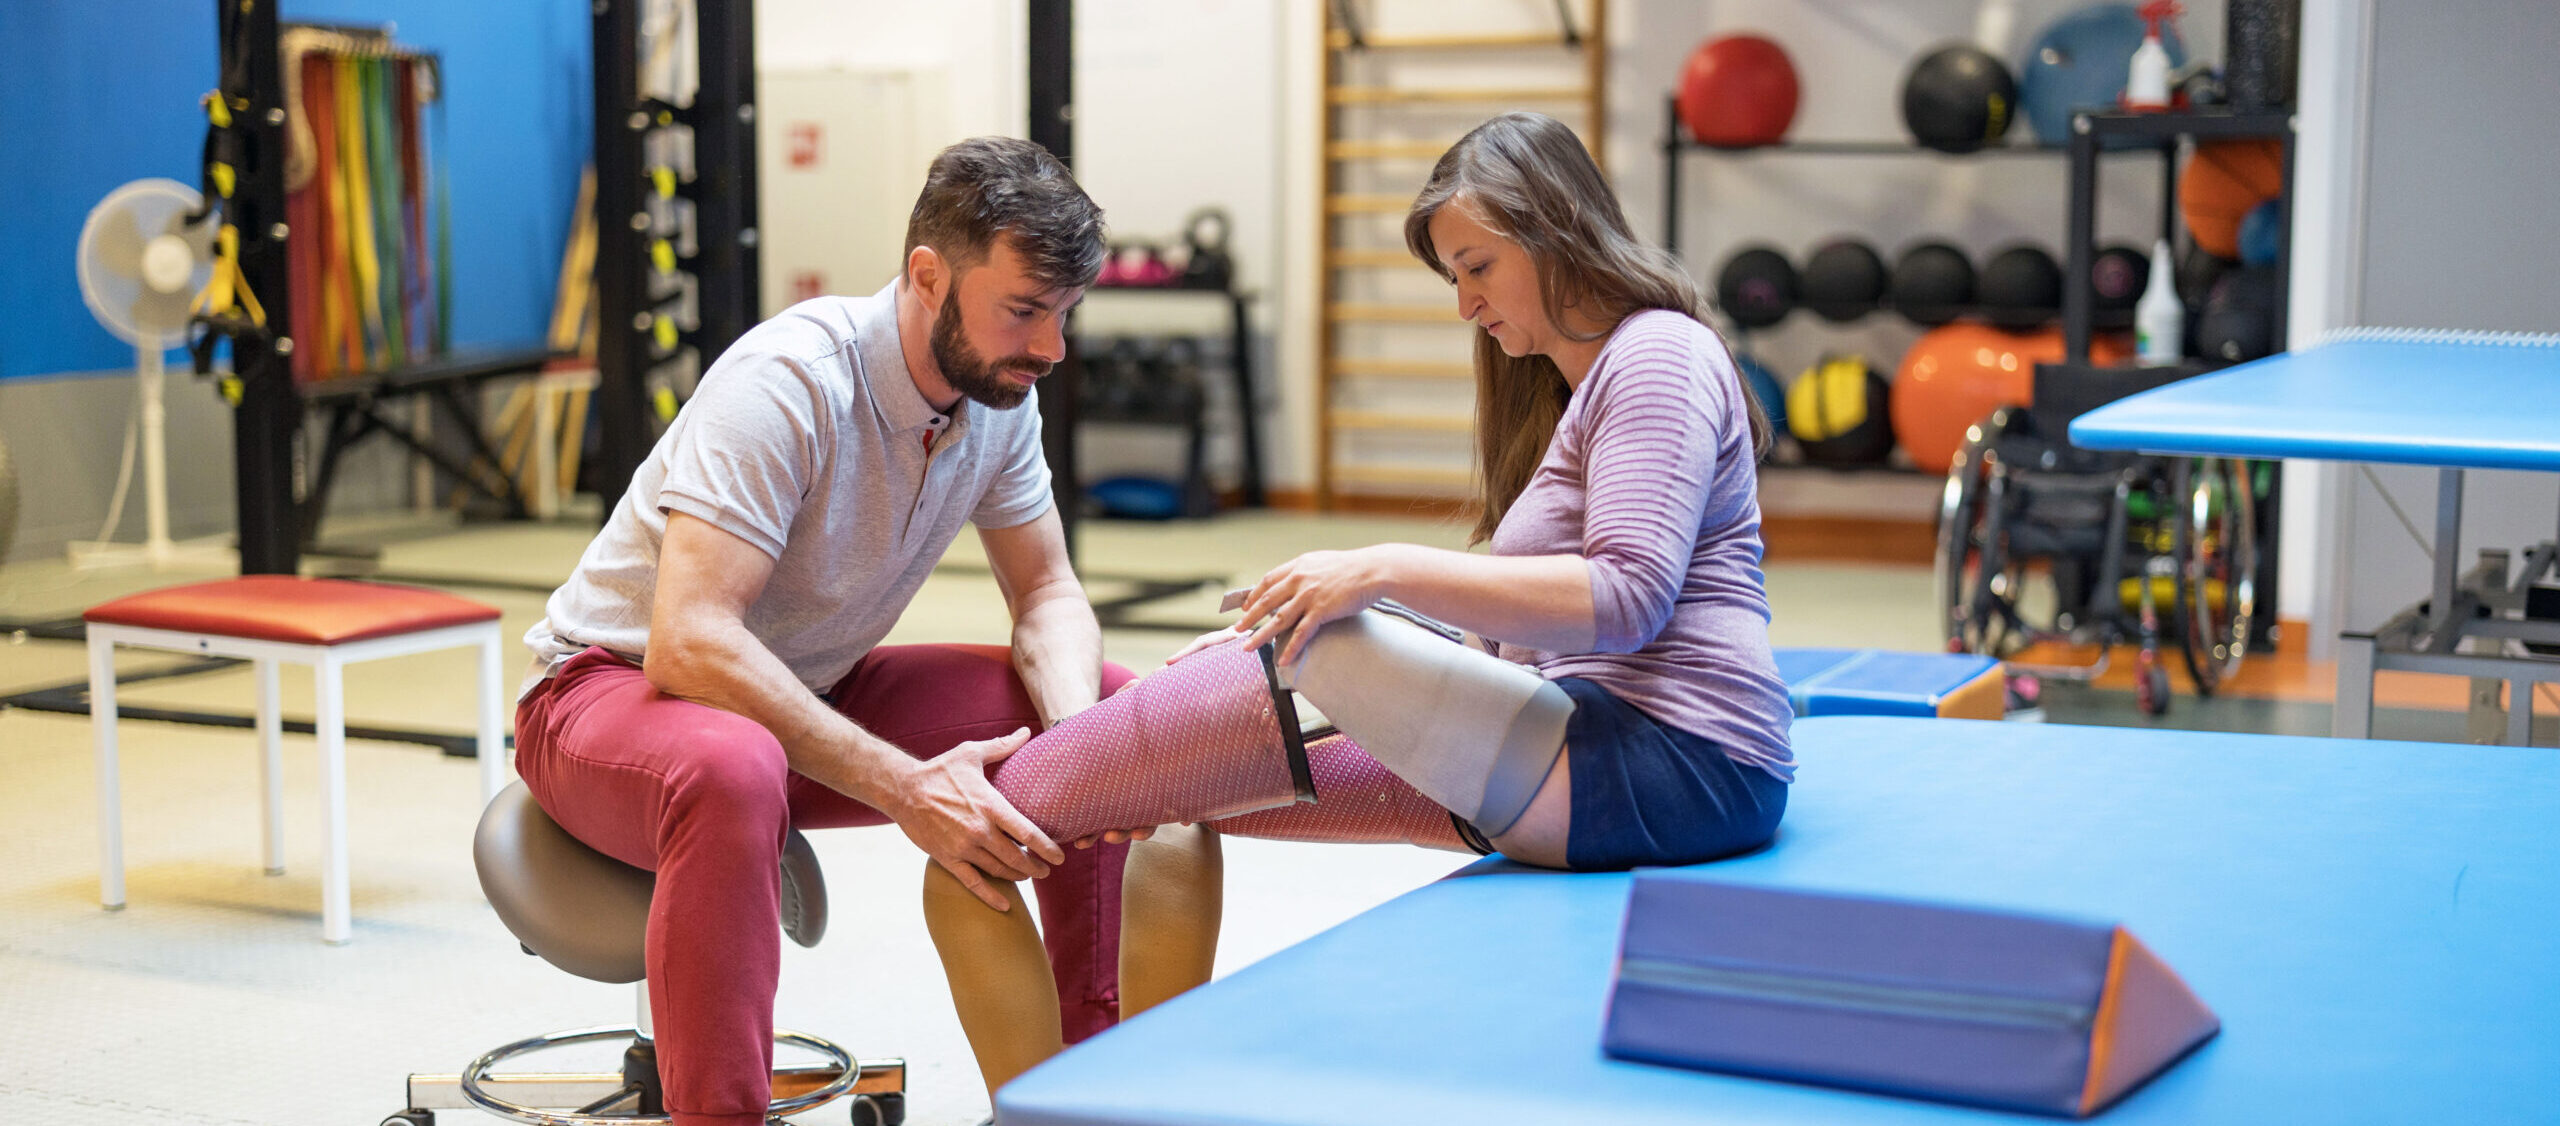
[141, 266]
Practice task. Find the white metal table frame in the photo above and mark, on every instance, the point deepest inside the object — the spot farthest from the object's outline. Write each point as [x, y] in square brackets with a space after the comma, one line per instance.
[2484, 606]
[328, 664]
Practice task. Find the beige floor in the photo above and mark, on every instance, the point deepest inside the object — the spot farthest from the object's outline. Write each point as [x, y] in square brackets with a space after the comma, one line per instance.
[210, 999]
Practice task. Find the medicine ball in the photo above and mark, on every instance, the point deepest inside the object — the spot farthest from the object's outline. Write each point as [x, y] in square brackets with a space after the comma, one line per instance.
[1765, 387]
[2221, 183]
[1837, 411]
[1958, 99]
[2020, 288]
[2262, 234]
[1932, 283]
[2239, 322]
[2080, 62]
[2117, 277]
[2198, 269]
[1844, 280]
[1757, 287]
[1738, 91]
[1955, 376]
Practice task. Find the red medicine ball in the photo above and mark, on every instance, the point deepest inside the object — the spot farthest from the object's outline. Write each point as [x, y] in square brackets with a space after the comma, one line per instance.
[1738, 91]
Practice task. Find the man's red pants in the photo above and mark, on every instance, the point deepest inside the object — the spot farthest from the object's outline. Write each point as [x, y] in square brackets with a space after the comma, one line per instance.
[703, 798]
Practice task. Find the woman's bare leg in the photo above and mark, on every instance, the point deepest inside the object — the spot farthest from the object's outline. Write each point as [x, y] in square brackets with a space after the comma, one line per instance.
[1000, 980]
[1171, 898]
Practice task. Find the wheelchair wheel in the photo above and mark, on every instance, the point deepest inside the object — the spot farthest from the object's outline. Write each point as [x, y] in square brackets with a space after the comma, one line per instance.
[1972, 582]
[2217, 557]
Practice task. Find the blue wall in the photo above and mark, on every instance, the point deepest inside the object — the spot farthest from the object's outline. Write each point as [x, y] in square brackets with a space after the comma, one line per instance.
[99, 92]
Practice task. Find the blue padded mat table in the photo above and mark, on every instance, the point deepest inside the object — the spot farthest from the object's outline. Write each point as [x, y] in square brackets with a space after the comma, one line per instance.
[2451, 404]
[2378, 926]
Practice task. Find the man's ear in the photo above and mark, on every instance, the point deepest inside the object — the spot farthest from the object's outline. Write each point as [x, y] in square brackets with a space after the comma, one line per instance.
[928, 275]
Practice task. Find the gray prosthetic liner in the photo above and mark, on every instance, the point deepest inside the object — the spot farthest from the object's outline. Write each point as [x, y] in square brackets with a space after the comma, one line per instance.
[1472, 731]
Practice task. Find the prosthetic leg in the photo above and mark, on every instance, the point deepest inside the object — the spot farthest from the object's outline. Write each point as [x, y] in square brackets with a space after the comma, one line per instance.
[1209, 736]
[1470, 730]
[1364, 803]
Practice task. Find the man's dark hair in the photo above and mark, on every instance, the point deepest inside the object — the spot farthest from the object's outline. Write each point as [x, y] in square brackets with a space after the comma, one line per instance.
[986, 186]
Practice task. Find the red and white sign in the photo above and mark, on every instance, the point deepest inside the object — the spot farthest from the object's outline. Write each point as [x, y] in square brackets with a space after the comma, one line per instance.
[804, 137]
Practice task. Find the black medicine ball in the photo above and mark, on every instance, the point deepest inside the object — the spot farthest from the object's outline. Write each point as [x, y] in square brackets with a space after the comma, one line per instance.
[1844, 280]
[2020, 288]
[1932, 283]
[1757, 287]
[1958, 98]
[2117, 277]
[2239, 322]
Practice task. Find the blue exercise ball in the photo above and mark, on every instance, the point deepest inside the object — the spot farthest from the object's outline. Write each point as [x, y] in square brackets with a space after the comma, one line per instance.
[2262, 234]
[1765, 387]
[2081, 61]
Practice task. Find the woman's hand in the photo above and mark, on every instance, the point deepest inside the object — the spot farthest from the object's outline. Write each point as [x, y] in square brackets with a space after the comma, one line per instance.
[1306, 592]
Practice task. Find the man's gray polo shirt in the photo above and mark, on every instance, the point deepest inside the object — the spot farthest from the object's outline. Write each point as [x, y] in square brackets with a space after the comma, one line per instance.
[807, 439]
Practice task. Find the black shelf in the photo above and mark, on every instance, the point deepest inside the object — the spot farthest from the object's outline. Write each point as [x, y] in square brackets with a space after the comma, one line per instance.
[1676, 143]
[1240, 368]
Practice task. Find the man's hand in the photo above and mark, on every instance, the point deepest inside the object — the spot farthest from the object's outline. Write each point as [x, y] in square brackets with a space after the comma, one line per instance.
[950, 810]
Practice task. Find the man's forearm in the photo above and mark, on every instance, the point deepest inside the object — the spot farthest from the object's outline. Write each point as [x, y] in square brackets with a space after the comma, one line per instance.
[732, 671]
[1057, 651]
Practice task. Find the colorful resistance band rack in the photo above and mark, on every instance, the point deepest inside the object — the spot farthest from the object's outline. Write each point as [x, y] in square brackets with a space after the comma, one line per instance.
[371, 278]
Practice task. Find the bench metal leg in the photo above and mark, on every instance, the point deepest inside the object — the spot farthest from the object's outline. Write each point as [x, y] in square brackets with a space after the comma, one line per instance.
[102, 728]
[2353, 716]
[271, 765]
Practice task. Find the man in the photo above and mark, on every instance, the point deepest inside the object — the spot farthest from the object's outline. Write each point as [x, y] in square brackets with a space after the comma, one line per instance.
[707, 677]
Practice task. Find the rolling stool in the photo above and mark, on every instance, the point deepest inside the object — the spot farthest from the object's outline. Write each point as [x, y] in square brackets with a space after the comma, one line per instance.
[588, 913]
[327, 624]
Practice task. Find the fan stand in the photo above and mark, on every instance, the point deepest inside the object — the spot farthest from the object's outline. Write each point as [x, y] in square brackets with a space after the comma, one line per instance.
[156, 550]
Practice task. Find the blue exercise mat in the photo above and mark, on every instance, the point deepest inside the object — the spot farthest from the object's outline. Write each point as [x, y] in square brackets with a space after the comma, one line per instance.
[2462, 401]
[2377, 924]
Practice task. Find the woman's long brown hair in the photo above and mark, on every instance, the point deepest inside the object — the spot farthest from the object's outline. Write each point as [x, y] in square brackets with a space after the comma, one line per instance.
[1528, 178]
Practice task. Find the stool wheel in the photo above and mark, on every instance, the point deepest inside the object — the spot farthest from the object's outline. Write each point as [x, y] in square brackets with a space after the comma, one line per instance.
[411, 1117]
[848, 1073]
[874, 1110]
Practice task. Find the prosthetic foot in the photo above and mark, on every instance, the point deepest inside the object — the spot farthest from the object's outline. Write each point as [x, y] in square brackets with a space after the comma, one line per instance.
[1206, 737]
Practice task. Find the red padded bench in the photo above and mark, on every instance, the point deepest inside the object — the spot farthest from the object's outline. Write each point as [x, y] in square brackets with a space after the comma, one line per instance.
[268, 620]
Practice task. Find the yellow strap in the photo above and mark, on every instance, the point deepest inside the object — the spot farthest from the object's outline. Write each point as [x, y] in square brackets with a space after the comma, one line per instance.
[228, 293]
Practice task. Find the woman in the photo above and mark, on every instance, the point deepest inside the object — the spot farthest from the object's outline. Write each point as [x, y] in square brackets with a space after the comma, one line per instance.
[1615, 702]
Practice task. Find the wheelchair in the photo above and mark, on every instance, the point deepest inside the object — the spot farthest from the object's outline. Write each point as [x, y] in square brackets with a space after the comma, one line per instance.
[2131, 549]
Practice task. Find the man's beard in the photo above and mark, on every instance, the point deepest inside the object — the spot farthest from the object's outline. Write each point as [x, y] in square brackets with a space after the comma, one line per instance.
[968, 372]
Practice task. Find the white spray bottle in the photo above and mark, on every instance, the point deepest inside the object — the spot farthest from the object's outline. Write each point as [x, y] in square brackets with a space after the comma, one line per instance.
[2160, 319]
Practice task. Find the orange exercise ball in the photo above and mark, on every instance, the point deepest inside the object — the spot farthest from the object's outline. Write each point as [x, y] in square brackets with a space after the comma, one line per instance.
[2223, 181]
[1957, 374]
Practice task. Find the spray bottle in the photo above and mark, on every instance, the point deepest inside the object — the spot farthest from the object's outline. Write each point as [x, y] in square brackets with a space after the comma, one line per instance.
[2160, 319]
[2146, 88]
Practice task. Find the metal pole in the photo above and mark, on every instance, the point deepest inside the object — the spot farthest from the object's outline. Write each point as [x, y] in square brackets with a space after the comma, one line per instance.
[1052, 126]
[267, 419]
[622, 350]
[2078, 255]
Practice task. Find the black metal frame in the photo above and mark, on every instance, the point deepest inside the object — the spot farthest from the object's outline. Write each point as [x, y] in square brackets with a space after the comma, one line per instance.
[725, 265]
[2160, 133]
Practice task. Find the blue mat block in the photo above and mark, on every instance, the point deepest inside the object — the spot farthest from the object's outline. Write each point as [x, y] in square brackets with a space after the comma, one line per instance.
[1879, 682]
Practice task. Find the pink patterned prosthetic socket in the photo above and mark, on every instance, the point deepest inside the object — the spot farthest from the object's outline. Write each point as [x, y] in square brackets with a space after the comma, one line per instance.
[1194, 741]
[1362, 803]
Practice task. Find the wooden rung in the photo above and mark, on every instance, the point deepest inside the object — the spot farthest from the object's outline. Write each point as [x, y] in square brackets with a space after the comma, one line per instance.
[1347, 258]
[1402, 475]
[1387, 150]
[1401, 369]
[1368, 203]
[1426, 95]
[1403, 423]
[1395, 314]
[1340, 40]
